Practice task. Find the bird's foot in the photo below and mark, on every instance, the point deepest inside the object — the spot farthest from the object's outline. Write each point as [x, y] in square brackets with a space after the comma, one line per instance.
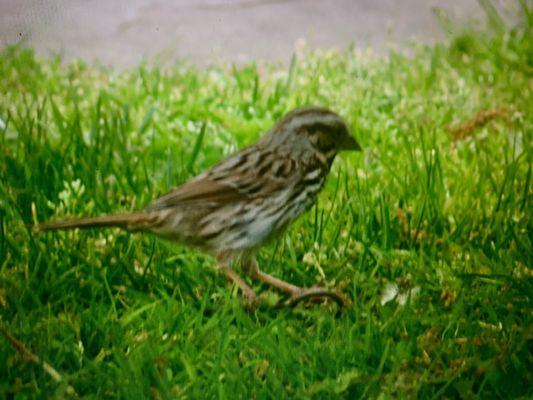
[315, 294]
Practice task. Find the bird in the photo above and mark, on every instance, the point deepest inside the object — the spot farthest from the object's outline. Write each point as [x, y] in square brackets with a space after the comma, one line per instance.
[237, 206]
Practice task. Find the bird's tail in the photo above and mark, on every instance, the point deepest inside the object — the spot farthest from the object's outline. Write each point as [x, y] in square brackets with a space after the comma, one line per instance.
[135, 221]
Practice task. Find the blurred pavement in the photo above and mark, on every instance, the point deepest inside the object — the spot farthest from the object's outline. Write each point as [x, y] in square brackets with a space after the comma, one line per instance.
[122, 32]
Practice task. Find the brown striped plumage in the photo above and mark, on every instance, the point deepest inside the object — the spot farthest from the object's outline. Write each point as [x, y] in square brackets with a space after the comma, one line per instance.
[236, 206]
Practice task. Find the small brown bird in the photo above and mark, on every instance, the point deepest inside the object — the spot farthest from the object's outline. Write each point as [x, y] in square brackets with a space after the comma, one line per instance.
[239, 204]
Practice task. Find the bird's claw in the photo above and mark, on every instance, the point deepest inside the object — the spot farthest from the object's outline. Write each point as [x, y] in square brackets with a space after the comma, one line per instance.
[313, 294]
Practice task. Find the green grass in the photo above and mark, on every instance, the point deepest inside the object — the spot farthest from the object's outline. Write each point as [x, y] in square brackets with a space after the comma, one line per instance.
[128, 316]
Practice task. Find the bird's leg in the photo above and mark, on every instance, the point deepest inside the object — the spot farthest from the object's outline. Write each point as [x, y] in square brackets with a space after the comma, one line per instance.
[234, 278]
[251, 268]
[224, 267]
[296, 293]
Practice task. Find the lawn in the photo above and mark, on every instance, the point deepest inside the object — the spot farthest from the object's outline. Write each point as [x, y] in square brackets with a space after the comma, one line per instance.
[428, 231]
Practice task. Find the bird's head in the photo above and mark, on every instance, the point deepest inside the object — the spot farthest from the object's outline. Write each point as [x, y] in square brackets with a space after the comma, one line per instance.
[323, 129]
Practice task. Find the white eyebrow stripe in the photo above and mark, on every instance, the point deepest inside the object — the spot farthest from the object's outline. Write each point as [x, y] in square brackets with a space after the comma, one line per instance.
[305, 120]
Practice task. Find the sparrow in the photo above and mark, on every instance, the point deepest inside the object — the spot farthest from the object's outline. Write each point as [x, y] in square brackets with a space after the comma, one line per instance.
[234, 208]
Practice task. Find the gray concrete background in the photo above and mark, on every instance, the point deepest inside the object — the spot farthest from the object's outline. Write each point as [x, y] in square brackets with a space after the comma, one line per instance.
[123, 32]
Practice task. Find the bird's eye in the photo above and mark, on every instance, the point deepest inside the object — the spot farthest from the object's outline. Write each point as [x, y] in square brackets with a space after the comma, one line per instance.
[325, 142]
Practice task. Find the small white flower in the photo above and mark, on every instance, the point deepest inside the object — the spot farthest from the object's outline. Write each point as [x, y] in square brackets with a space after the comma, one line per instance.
[390, 293]
[77, 187]
[403, 297]
[310, 258]
[64, 195]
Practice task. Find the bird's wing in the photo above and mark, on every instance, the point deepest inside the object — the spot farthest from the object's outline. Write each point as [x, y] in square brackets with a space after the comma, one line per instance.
[197, 192]
[214, 190]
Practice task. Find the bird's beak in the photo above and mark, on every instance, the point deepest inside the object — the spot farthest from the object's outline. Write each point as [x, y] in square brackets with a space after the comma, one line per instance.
[349, 144]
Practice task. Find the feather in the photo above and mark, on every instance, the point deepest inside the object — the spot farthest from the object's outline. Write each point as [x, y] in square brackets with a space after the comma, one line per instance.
[125, 221]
